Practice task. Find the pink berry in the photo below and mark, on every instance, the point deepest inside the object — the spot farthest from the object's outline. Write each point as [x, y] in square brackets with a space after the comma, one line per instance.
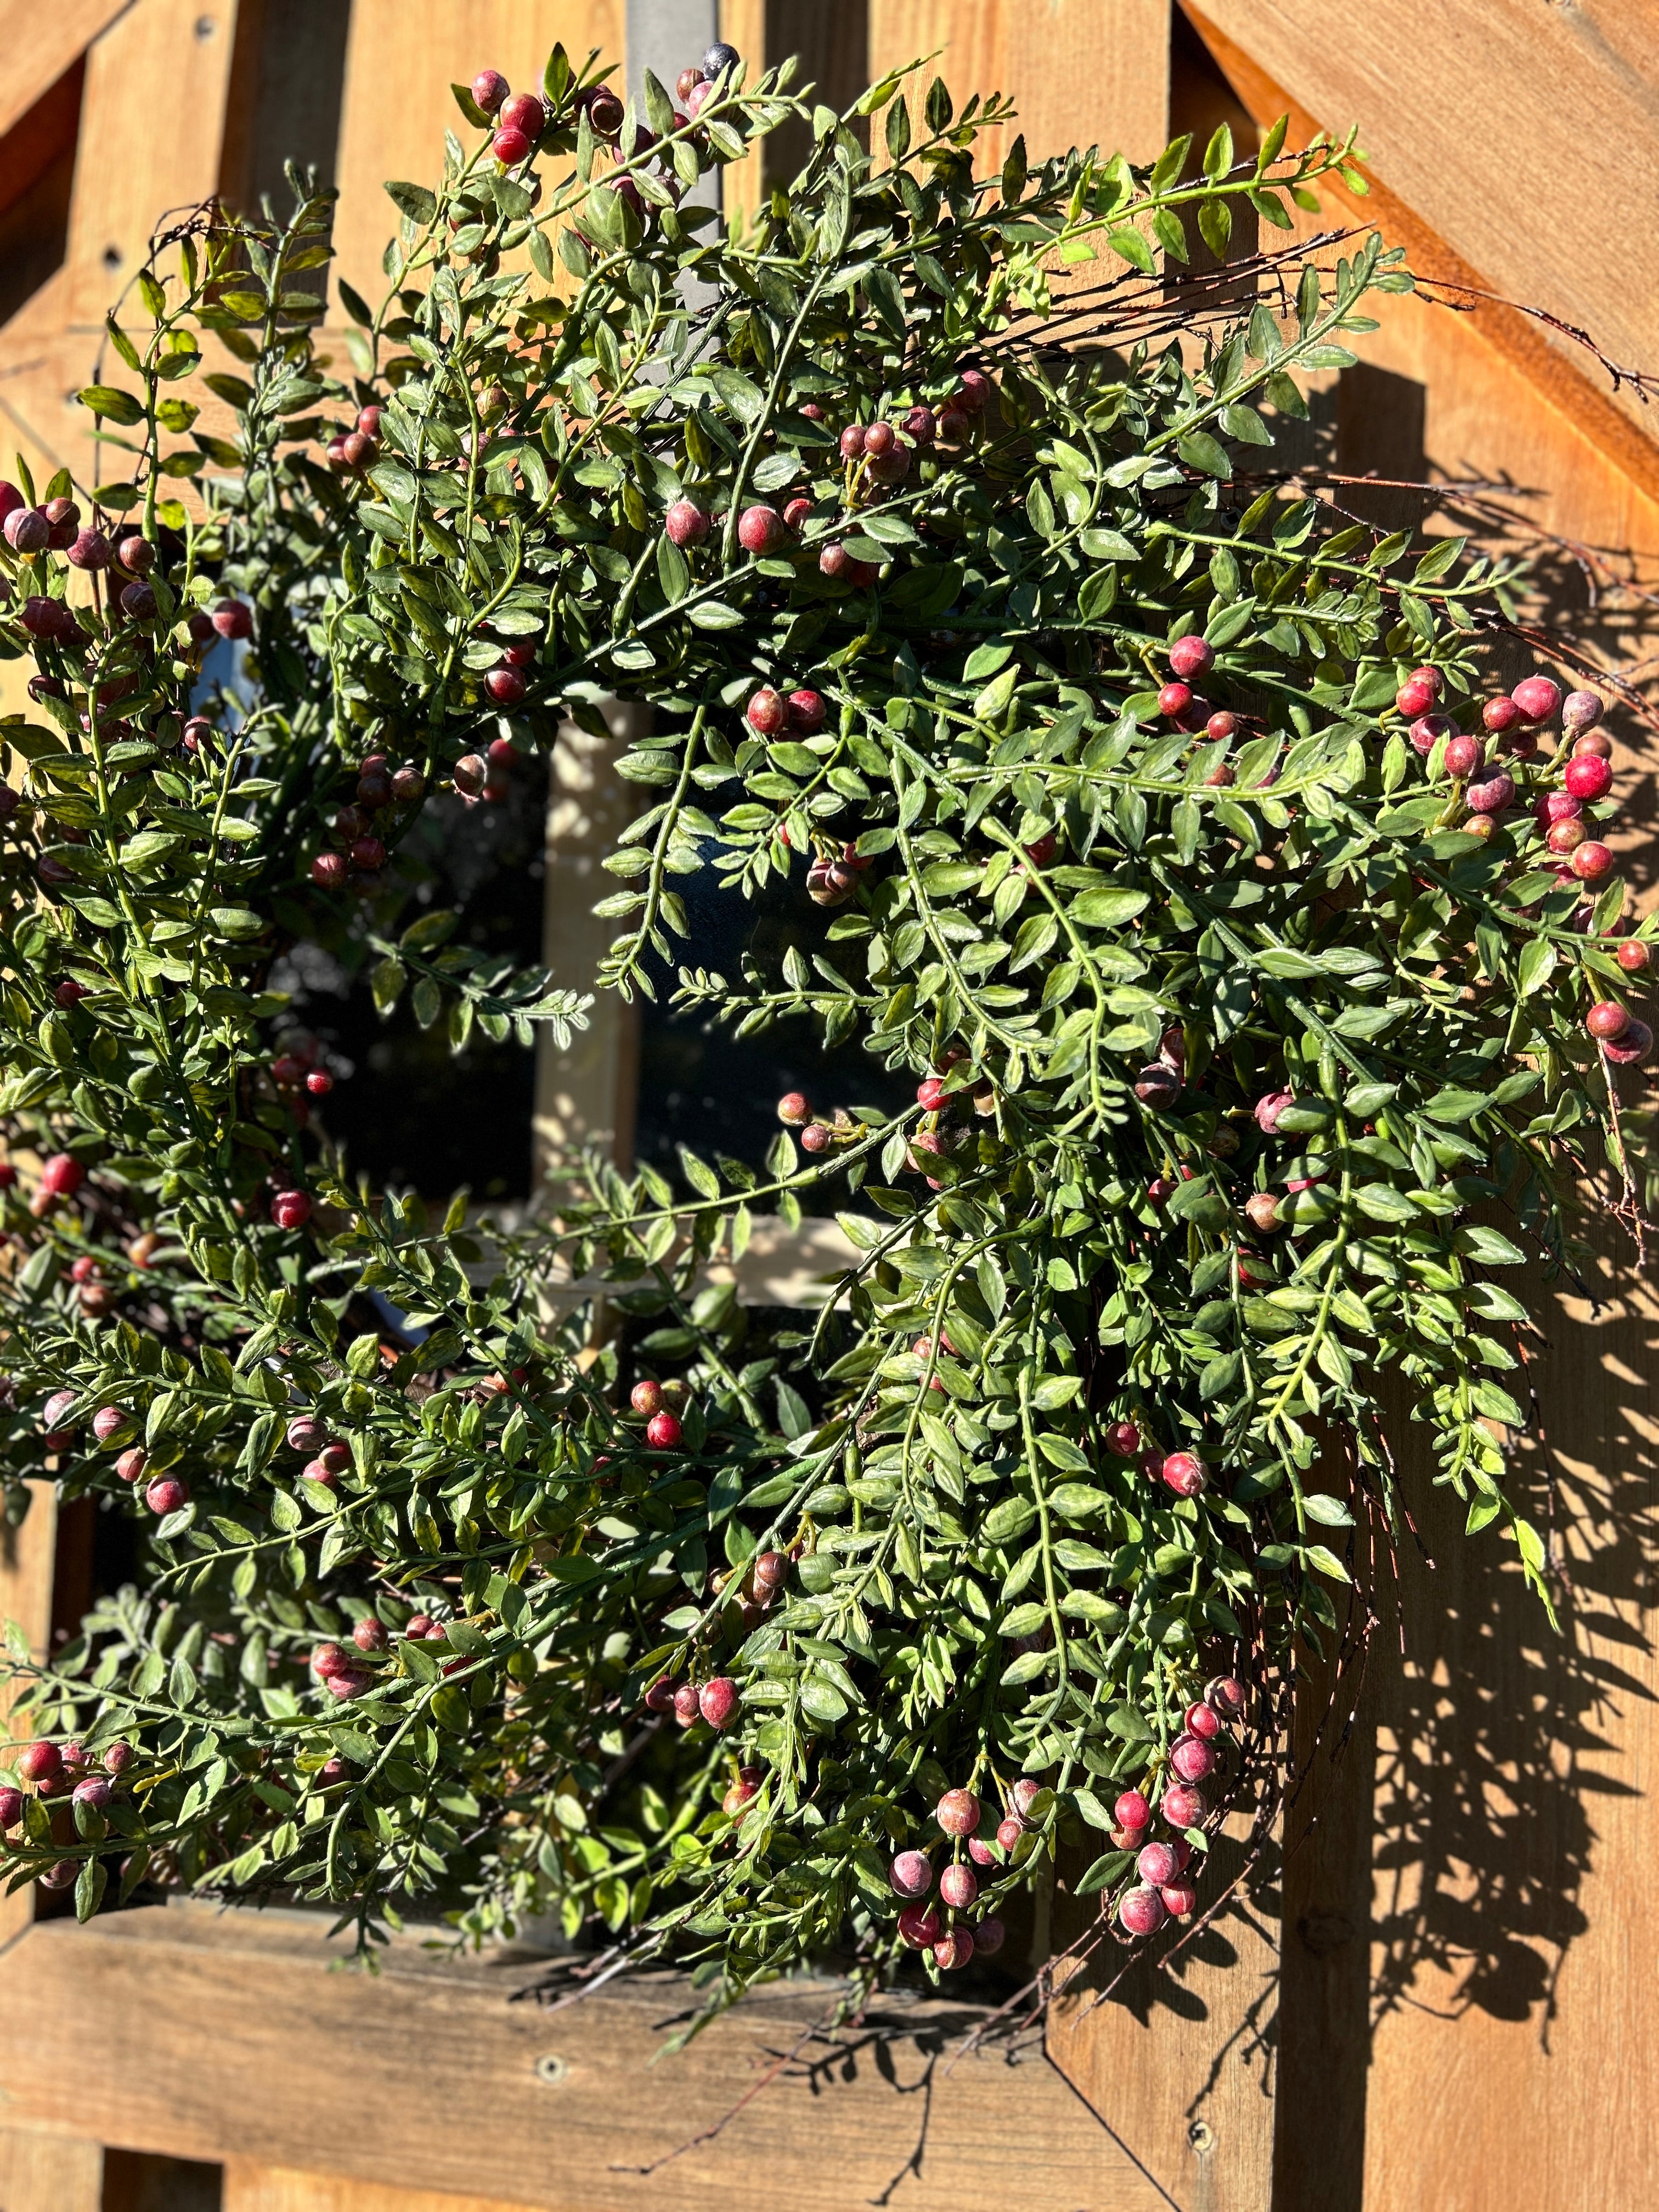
[510, 147]
[1023, 1795]
[815, 1137]
[95, 1793]
[108, 1421]
[911, 1874]
[1123, 1439]
[489, 89]
[688, 1704]
[1132, 1810]
[958, 1886]
[1174, 700]
[1416, 696]
[686, 523]
[1184, 1806]
[1537, 698]
[980, 1853]
[1491, 794]
[663, 1432]
[166, 1494]
[767, 711]
[1587, 776]
[1581, 711]
[1158, 1864]
[958, 1812]
[1227, 1695]
[1203, 1721]
[930, 1094]
[1557, 807]
[1607, 1019]
[1501, 715]
[40, 1762]
[129, 1465]
[1635, 957]
[28, 531]
[920, 1926]
[1630, 1050]
[291, 1209]
[1184, 1473]
[805, 711]
[760, 530]
[1464, 756]
[989, 1936]
[62, 1175]
[89, 550]
[119, 1757]
[234, 618]
[12, 1802]
[1270, 1107]
[1592, 860]
[1009, 1831]
[717, 1701]
[1191, 1759]
[506, 686]
[371, 1635]
[1180, 1897]
[953, 1949]
[524, 112]
[1141, 1912]
[1191, 656]
[793, 1108]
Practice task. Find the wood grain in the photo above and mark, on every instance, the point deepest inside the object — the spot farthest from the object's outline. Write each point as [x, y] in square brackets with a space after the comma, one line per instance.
[40, 43]
[49, 2174]
[161, 59]
[1453, 103]
[453, 2077]
[252, 2188]
[26, 1595]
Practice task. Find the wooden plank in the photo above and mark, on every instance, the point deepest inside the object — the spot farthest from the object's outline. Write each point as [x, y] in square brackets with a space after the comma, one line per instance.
[49, 2174]
[1448, 99]
[41, 44]
[586, 1095]
[1080, 73]
[161, 59]
[1562, 376]
[430, 2077]
[27, 1553]
[400, 64]
[251, 2188]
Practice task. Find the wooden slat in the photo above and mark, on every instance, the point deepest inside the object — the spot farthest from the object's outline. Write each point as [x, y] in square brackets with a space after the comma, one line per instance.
[429, 2076]
[152, 123]
[40, 43]
[400, 64]
[251, 2188]
[26, 1594]
[48, 2172]
[1460, 249]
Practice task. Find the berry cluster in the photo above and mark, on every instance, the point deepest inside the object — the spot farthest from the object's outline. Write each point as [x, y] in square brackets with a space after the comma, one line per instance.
[1167, 1887]
[360, 829]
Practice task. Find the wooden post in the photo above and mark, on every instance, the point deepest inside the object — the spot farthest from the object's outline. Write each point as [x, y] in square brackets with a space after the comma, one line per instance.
[25, 1598]
[49, 2173]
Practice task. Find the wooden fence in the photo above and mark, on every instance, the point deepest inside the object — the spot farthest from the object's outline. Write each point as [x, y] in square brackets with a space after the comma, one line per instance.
[1439, 1997]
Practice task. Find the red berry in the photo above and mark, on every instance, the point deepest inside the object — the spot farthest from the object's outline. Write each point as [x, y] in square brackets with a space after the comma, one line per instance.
[1123, 1439]
[28, 531]
[1491, 794]
[662, 1431]
[109, 1421]
[1191, 656]
[1190, 1758]
[852, 442]
[660, 1697]
[85, 1269]
[953, 1949]
[911, 1874]
[165, 1495]
[1220, 726]
[1588, 777]
[645, 1398]
[40, 1762]
[233, 618]
[489, 89]
[1417, 694]
[510, 147]
[981, 1853]
[792, 1107]
[1024, 1793]
[930, 1094]
[920, 1927]
[1179, 1897]
[686, 523]
[771, 1570]
[358, 449]
[12, 1802]
[1184, 1473]
[1634, 956]
[989, 1935]
[1158, 1864]
[1500, 714]
[371, 1635]
[958, 1812]
[717, 1701]
[506, 686]
[62, 1176]
[1184, 1806]
[319, 1083]
[1174, 700]
[687, 1707]
[1594, 741]
[1141, 1912]
[90, 550]
[879, 440]
[524, 112]
[291, 1209]
[760, 530]
[767, 711]
[1041, 851]
[1537, 698]
[1132, 1810]
[806, 712]
[604, 111]
[973, 390]
[131, 1465]
[1009, 1831]
[1202, 1720]
[954, 425]
[1464, 756]
[95, 1793]
[1630, 1050]
[1591, 862]
[1565, 835]
[815, 1137]
[1227, 1695]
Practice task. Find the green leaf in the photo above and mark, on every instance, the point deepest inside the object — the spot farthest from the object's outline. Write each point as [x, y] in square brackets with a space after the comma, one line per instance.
[104, 399]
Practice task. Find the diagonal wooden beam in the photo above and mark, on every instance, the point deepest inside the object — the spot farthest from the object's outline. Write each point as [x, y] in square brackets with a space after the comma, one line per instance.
[1519, 339]
[40, 43]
